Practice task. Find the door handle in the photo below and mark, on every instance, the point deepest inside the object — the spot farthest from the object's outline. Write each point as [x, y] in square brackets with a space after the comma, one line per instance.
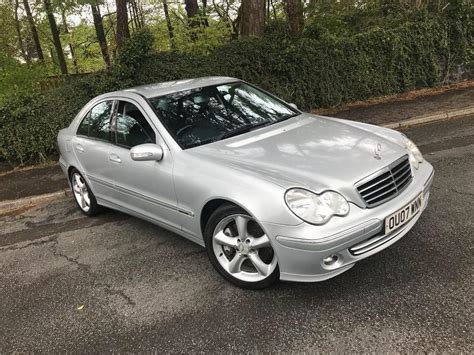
[79, 148]
[115, 158]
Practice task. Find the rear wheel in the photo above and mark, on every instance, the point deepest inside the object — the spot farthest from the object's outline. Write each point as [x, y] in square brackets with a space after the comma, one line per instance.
[239, 249]
[83, 195]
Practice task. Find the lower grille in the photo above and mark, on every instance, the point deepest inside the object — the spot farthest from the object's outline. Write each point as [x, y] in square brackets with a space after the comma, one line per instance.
[370, 244]
[385, 184]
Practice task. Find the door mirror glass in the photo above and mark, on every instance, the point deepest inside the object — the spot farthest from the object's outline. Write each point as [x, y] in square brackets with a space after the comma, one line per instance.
[146, 152]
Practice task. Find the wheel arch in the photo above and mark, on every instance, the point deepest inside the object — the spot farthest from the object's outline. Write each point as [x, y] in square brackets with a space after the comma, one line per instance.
[70, 169]
[211, 206]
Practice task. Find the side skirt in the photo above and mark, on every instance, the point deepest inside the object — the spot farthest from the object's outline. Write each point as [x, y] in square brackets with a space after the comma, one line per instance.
[171, 228]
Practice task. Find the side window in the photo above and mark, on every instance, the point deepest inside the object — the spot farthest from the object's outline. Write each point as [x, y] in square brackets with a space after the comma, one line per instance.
[96, 124]
[83, 129]
[132, 127]
[99, 121]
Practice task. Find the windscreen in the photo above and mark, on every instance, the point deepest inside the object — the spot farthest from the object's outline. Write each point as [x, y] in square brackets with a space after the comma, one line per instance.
[208, 114]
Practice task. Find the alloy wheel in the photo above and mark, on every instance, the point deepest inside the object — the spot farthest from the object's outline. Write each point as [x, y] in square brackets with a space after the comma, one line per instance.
[81, 192]
[243, 249]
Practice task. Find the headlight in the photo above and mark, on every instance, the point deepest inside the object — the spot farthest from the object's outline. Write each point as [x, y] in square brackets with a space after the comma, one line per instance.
[413, 152]
[316, 209]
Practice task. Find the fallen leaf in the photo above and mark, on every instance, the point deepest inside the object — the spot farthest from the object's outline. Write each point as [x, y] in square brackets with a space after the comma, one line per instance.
[80, 308]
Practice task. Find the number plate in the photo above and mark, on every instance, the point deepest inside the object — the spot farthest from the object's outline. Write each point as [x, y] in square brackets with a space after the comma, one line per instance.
[403, 215]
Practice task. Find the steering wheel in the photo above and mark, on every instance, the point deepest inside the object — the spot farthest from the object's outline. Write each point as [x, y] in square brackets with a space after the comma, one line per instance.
[185, 128]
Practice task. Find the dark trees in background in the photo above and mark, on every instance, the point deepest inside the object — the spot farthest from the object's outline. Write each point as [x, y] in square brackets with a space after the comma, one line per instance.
[136, 15]
[23, 51]
[122, 33]
[100, 33]
[294, 15]
[252, 18]
[204, 13]
[55, 35]
[223, 11]
[34, 32]
[191, 7]
[168, 24]
[71, 47]
[192, 10]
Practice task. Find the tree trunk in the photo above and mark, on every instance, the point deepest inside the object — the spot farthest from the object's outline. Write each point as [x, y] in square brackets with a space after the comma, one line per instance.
[192, 8]
[23, 52]
[123, 33]
[139, 9]
[55, 34]
[267, 10]
[274, 9]
[294, 15]
[53, 57]
[71, 48]
[137, 20]
[168, 24]
[100, 33]
[132, 16]
[34, 32]
[205, 21]
[252, 18]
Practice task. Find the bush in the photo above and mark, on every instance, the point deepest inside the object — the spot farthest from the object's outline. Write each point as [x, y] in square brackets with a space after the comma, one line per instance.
[329, 70]
[323, 70]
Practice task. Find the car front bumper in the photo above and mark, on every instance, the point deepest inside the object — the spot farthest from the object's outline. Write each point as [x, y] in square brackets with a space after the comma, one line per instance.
[301, 249]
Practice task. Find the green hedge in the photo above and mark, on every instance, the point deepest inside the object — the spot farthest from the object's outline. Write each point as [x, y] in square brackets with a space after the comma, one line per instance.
[330, 71]
[309, 72]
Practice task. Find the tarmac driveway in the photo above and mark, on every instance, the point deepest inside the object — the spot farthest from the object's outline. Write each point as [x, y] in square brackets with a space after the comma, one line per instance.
[113, 282]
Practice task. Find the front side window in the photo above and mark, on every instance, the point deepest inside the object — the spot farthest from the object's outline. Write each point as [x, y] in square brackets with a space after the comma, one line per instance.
[132, 127]
[96, 124]
[199, 116]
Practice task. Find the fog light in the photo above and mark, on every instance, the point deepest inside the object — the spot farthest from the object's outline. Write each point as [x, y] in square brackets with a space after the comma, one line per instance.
[330, 260]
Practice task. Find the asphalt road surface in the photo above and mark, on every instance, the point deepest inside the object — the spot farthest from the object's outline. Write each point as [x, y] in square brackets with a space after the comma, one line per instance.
[113, 282]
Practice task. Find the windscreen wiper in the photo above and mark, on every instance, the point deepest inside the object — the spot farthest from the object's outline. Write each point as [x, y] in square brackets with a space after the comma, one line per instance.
[227, 134]
[235, 132]
[243, 129]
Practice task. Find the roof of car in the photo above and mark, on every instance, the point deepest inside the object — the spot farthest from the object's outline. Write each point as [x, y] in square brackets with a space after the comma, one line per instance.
[169, 87]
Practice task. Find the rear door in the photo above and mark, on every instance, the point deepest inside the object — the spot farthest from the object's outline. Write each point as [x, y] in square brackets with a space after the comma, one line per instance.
[145, 187]
[91, 146]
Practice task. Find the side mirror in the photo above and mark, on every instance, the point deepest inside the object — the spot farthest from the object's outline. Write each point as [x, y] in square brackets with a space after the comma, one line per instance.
[146, 152]
[293, 105]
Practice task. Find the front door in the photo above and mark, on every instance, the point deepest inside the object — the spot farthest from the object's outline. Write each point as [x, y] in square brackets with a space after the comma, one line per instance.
[144, 187]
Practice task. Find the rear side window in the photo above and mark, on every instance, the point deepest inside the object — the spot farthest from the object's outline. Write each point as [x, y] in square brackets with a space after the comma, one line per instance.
[132, 127]
[83, 129]
[96, 124]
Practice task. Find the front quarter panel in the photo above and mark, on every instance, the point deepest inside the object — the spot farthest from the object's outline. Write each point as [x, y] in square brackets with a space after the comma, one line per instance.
[198, 181]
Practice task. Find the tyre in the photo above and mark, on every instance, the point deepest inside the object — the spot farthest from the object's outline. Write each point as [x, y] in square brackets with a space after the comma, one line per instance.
[83, 195]
[239, 249]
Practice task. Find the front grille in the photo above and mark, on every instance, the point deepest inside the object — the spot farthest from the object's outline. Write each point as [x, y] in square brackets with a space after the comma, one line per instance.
[386, 183]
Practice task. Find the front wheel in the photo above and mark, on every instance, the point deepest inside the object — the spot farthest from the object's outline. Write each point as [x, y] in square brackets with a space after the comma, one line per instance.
[239, 249]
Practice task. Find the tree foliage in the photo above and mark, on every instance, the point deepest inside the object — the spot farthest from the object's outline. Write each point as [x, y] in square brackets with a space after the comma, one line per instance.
[343, 52]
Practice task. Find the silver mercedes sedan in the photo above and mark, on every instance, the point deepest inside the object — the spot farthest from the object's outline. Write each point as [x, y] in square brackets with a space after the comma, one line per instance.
[271, 192]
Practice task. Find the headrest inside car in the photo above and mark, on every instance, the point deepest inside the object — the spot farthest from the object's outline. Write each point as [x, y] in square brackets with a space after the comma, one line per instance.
[200, 99]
